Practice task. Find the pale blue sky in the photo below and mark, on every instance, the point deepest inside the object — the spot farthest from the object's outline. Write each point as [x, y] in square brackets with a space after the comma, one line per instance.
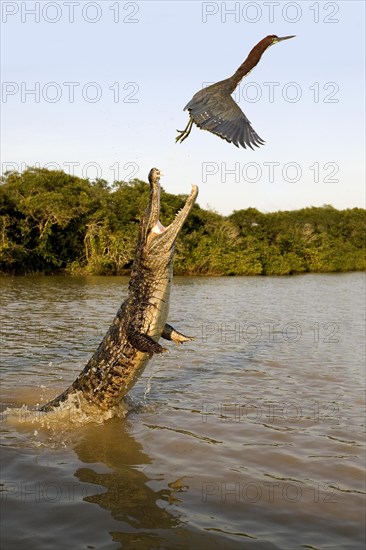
[314, 151]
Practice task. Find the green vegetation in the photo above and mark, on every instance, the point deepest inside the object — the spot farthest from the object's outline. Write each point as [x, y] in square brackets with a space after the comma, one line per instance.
[50, 221]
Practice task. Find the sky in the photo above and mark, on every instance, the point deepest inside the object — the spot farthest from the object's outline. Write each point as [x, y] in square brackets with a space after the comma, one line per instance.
[98, 89]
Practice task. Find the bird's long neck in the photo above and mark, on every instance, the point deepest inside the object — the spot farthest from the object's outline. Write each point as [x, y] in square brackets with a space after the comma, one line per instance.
[250, 62]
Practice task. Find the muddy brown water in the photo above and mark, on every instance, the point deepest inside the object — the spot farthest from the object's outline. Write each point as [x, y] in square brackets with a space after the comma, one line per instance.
[252, 436]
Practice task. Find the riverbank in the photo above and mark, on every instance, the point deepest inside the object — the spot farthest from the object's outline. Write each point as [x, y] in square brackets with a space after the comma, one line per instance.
[52, 222]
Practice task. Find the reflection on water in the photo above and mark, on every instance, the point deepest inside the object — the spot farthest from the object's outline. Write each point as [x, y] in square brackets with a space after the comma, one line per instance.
[250, 437]
[143, 512]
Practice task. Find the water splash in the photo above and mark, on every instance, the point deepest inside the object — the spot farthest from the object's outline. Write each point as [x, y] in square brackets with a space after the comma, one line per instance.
[149, 380]
[74, 412]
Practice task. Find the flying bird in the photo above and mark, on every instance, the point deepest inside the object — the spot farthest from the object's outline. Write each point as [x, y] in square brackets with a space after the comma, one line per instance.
[214, 109]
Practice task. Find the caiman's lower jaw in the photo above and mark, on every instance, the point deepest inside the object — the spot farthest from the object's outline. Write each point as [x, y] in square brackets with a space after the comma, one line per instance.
[164, 237]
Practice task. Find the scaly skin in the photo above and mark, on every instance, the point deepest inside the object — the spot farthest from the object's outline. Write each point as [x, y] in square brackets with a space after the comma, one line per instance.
[134, 334]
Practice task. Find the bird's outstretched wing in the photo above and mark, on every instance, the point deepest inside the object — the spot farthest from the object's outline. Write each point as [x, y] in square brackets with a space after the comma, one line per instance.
[220, 115]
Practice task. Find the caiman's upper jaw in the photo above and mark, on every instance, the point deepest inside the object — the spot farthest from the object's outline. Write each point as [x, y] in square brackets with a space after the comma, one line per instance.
[151, 216]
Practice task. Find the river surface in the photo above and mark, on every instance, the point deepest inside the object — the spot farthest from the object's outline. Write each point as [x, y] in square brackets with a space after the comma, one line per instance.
[250, 437]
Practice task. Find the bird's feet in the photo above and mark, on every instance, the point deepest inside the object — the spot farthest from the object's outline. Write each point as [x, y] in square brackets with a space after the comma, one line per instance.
[183, 134]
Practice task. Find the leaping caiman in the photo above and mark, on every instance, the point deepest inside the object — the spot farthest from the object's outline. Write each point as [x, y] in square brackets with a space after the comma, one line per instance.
[134, 334]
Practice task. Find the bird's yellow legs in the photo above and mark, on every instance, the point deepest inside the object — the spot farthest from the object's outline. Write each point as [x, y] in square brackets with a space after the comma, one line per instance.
[183, 134]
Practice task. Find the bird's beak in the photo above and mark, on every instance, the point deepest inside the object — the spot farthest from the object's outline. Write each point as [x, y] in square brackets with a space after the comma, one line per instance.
[285, 37]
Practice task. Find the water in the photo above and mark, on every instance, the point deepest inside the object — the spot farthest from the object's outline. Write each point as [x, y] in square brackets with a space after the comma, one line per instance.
[252, 436]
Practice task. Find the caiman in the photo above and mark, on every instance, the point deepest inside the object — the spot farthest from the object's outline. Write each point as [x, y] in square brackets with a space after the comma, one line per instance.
[134, 334]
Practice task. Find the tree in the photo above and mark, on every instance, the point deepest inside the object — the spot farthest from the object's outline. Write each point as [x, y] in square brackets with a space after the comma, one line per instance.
[50, 221]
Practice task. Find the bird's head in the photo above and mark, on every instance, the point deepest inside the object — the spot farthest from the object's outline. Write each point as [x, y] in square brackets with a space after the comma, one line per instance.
[274, 39]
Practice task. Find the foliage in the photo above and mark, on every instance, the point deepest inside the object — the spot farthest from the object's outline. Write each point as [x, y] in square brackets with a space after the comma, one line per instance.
[52, 221]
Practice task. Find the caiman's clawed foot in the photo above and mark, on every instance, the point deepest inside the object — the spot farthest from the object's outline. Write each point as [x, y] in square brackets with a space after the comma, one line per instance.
[169, 333]
[183, 134]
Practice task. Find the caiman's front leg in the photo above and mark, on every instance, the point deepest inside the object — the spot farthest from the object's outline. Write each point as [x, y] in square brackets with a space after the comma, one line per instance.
[169, 333]
[145, 343]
